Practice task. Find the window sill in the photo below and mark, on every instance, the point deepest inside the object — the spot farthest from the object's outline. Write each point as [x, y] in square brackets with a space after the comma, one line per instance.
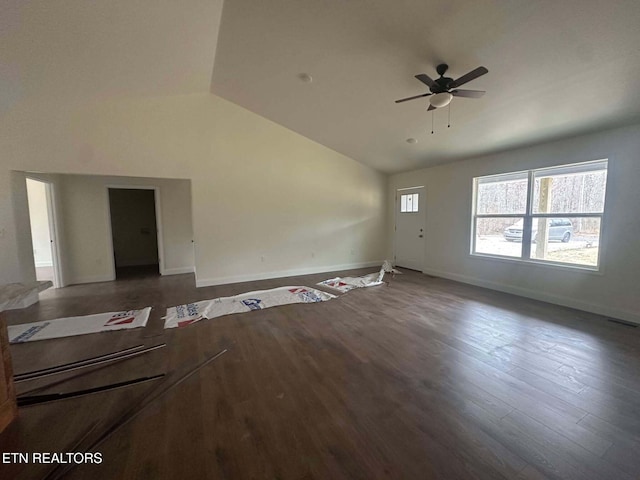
[566, 267]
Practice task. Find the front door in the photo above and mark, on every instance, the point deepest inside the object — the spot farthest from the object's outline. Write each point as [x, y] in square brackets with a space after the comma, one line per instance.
[410, 219]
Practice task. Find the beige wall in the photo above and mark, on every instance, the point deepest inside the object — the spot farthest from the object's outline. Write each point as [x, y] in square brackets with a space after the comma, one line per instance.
[613, 292]
[86, 222]
[274, 203]
[267, 202]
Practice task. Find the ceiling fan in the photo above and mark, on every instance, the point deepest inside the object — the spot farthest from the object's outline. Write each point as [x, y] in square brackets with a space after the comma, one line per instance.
[443, 89]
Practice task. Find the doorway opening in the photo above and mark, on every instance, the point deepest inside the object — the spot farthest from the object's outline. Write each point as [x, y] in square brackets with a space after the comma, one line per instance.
[135, 232]
[43, 231]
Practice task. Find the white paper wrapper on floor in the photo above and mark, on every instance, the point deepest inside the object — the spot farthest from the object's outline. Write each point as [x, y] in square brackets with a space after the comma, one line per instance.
[184, 315]
[70, 326]
[388, 268]
[345, 284]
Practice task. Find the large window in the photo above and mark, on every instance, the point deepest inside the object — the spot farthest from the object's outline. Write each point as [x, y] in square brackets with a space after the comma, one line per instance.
[550, 215]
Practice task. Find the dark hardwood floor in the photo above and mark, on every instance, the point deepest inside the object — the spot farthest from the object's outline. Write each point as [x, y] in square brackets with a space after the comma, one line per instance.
[422, 379]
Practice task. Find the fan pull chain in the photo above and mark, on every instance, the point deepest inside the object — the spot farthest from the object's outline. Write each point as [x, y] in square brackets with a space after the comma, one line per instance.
[432, 121]
[449, 125]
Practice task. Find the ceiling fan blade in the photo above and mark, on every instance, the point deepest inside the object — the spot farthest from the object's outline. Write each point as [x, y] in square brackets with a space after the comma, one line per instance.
[468, 93]
[413, 98]
[472, 75]
[424, 78]
[431, 107]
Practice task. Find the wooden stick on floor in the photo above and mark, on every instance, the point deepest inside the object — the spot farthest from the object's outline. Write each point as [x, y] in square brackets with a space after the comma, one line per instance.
[74, 446]
[132, 413]
[53, 397]
[89, 363]
[36, 373]
[89, 370]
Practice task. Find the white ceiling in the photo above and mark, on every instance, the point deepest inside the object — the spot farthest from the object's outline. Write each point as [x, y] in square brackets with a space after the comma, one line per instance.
[556, 68]
[74, 50]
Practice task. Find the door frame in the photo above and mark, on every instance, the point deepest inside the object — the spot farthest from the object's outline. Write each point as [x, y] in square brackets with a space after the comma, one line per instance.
[52, 219]
[396, 200]
[159, 231]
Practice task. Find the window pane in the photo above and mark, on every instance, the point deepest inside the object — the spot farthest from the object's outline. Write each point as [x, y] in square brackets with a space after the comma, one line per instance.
[574, 240]
[499, 236]
[571, 189]
[409, 203]
[403, 203]
[502, 194]
[415, 202]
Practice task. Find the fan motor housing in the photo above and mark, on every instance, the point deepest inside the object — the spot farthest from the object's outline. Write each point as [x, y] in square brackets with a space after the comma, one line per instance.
[441, 85]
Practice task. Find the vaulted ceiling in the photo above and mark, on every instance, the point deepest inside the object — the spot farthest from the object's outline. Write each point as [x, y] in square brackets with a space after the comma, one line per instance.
[76, 50]
[556, 68]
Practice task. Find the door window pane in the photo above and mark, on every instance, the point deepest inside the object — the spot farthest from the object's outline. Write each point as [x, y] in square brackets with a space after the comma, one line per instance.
[409, 202]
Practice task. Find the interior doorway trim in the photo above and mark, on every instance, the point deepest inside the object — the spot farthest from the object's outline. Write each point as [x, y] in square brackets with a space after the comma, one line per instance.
[158, 206]
[52, 214]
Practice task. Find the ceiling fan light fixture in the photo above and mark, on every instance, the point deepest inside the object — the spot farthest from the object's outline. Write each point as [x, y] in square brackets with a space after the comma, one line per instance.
[440, 100]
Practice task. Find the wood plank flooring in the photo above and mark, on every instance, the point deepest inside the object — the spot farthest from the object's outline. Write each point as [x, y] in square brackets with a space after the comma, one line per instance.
[422, 379]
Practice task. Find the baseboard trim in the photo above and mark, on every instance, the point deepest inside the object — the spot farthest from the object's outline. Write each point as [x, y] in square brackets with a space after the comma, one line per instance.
[542, 296]
[177, 271]
[209, 282]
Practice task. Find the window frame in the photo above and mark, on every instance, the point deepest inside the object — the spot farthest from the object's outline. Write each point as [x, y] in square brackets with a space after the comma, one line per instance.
[528, 216]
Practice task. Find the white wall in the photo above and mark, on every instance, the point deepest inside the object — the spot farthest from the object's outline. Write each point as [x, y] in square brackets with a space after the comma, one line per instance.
[39, 222]
[86, 220]
[614, 292]
[267, 202]
[274, 203]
